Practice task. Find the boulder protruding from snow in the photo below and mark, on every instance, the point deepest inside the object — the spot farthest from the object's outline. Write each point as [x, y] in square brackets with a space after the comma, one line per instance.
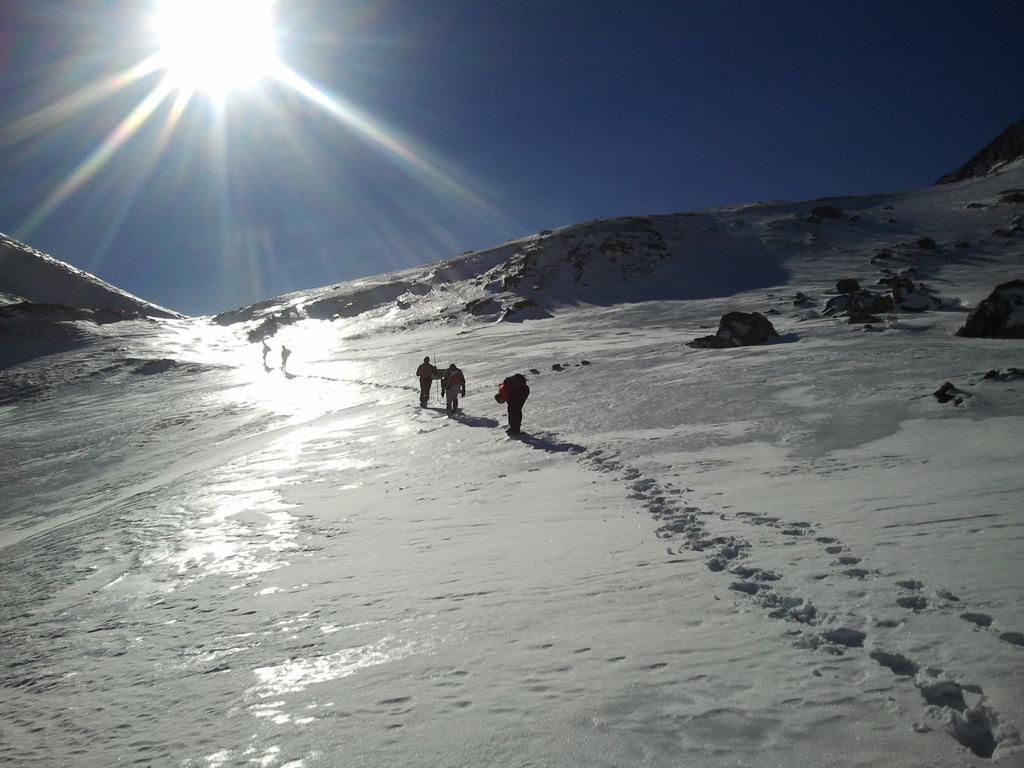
[738, 329]
[1000, 316]
[861, 306]
[949, 393]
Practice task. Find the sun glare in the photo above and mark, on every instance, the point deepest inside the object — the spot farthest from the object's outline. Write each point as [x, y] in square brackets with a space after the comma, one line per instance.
[216, 46]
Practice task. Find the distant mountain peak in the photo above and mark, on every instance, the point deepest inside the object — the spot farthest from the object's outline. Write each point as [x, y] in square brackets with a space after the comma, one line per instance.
[30, 275]
[1005, 148]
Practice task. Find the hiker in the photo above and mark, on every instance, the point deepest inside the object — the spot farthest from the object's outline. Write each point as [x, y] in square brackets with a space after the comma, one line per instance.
[266, 351]
[453, 383]
[427, 374]
[285, 354]
[514, 390]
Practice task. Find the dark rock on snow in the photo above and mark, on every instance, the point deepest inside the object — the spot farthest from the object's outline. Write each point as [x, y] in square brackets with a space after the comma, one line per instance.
[802, 300]
[1000, 316]
[847, 285]
[1000, 375]
[858, 305]
[738, 329]
[949, 393]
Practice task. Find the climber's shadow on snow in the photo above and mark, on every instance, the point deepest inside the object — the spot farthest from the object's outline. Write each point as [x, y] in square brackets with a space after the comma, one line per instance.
[545, 441]
[474, 421]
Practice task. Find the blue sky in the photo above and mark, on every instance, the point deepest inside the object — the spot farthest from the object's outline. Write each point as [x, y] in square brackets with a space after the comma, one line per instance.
[424, 129]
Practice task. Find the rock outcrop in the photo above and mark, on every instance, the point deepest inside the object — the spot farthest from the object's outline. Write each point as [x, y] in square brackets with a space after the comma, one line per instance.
[738, 329]
[1005, 148]
[1000, 316]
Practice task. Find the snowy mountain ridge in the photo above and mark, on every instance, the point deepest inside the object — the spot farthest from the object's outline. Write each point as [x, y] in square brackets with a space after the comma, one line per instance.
[29, 275]
[1002, 153]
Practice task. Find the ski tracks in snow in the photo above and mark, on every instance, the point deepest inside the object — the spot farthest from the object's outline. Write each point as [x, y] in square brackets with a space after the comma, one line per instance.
[960, 706]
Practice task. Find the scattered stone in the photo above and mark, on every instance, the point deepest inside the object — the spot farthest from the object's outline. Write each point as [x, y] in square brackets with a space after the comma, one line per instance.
[927, 243]
[847, 285]
[981, 619]
[1000, 316]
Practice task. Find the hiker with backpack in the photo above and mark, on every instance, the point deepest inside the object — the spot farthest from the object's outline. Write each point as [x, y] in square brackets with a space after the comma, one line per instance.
[427, 373]
[513, 390]
[453, 382]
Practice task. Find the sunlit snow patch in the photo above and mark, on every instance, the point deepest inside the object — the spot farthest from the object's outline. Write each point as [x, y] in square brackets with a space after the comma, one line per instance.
[298, 674]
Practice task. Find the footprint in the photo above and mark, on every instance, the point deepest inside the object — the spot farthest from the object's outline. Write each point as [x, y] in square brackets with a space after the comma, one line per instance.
[847, 560]
[1013, 638]
[899, 665]
[851, 638]
[747, 587]
[912, 584]
[913, 602]
[615, 659]
[758, 574]
[835, 549]
[943, 693]
[981, 619]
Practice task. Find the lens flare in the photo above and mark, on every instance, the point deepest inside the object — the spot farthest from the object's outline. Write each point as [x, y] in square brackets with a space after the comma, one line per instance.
[216, 46]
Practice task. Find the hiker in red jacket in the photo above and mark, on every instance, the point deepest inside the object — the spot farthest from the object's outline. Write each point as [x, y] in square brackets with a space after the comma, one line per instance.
[427, 374]
[514, 390]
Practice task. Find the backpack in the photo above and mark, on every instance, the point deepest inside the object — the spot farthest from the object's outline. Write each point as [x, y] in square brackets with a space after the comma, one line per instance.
[456, 379]
[501, 396]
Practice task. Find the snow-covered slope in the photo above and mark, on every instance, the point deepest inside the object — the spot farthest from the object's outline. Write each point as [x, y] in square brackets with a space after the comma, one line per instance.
[48, 306]
[684, 256]
[30, 275]
[787, 554]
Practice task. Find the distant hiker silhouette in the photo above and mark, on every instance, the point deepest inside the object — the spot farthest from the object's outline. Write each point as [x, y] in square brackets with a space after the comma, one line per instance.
[285, 354]
[266, 351]
[453, 382]
[514, 390]
[427, 374]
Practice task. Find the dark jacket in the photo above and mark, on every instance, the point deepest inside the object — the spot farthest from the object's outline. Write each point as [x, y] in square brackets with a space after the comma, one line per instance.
[426, 371]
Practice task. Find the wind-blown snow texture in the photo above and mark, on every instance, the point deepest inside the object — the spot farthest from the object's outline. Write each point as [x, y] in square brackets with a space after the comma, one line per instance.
[787, 554]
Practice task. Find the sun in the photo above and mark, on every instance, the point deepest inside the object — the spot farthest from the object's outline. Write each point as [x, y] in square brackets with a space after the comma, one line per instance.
[216, 46]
